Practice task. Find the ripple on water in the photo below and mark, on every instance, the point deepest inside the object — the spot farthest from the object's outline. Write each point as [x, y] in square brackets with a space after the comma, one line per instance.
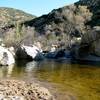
[81, 81]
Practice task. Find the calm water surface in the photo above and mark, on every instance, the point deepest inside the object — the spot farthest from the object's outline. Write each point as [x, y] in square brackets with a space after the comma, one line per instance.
[82, 81]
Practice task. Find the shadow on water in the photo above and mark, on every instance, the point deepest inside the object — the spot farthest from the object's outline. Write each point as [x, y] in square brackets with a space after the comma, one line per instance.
[80, 62]
[80, 78]
[23, 63]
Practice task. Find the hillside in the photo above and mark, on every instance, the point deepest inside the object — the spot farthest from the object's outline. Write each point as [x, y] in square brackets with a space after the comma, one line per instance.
[78, 16]
[9, 16]
[64, 20]
[77, 24]
[94, 6]
[10, 24]
[79, 20]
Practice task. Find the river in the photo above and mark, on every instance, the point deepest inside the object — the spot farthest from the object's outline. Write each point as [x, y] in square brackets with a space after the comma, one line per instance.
[76, 81]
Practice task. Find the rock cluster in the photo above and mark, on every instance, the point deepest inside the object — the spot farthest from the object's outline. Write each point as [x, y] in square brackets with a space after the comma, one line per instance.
[21, 90]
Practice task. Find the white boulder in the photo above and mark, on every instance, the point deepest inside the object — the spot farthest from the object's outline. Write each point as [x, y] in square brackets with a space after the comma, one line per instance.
[6, 57]
[26, 52]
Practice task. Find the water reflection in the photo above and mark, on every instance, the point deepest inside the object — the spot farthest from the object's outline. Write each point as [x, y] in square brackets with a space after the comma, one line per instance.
[82, 80]
[6, 71]
[30, 66]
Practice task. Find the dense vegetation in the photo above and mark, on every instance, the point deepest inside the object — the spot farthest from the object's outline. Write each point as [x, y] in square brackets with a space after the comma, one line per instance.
[11, 30]
[76, 24]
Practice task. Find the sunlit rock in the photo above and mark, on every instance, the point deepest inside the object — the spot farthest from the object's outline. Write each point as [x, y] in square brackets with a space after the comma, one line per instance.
[6, 57]
[11, 49]
[53, 48]
[29, 53]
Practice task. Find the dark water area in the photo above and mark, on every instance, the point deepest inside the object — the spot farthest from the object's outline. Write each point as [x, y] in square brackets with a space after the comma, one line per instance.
[76, 80]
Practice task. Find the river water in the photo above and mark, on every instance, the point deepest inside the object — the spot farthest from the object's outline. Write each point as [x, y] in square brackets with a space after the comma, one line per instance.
[76, 81]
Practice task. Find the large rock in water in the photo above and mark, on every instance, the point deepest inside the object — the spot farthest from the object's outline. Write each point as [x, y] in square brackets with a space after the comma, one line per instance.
[6, 57]
[29, 53]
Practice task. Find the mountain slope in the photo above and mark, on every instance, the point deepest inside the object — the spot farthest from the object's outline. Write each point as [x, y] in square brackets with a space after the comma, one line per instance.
[69, 19]
[81, 19]
[9, 16]
[76, 24]
[79, 15]
[11, 31]
[92, 4]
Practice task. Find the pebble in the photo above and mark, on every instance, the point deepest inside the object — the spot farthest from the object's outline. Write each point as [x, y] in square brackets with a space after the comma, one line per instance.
[21, 90]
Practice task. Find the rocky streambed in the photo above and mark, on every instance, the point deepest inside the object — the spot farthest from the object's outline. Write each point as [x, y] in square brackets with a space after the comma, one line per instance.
[22, 90]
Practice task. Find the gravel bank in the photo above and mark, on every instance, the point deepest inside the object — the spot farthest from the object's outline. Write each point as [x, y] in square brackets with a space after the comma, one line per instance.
[21, 90]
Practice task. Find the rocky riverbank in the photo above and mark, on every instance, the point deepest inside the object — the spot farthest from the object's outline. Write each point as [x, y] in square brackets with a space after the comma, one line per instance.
[21, 90]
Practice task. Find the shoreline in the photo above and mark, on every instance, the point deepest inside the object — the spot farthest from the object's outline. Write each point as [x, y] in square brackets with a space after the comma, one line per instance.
[14, 89]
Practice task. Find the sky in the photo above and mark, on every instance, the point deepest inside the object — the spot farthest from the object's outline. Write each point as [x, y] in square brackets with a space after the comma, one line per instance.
[35, 7]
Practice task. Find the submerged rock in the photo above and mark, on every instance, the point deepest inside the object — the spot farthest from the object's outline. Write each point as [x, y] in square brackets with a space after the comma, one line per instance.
[59, 54]
[6, 57]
